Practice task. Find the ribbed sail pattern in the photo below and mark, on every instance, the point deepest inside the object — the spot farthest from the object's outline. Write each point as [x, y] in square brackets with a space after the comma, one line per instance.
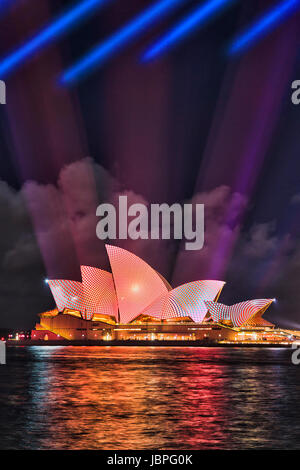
[239, 314]
[134, 288]
[68, 294]
[99, 292]
[137, 284]
[185, 301]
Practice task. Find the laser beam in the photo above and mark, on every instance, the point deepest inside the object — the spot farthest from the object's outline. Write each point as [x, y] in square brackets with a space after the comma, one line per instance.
[5, 4]
[183, 28]
[49, 34]
[260, 28]
[98, 55]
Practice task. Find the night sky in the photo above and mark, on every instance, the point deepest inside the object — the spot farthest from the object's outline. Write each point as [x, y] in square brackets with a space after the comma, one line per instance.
[193, 126]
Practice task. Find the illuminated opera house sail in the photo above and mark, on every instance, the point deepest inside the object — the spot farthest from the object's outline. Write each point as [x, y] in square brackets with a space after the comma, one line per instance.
[135, 302]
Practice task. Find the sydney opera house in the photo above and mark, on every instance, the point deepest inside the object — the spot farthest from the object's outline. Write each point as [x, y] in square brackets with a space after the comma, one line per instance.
[134, 302]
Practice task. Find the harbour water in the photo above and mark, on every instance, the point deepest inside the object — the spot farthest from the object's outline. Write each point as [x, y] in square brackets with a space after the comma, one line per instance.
[149, 398]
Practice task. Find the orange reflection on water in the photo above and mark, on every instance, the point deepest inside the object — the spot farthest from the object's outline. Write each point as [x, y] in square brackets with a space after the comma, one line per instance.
[148, 398]
[131, 398]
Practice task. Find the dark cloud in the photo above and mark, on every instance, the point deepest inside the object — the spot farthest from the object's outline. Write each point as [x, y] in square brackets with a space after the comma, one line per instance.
[21, 266]
[223, 210]
[267, 265]
[295, 199]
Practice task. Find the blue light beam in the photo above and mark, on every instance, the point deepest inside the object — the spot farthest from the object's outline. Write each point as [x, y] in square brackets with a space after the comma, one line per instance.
[183, 28]
[267, 22]
[47, 35]
[5, 4]
[98, 55]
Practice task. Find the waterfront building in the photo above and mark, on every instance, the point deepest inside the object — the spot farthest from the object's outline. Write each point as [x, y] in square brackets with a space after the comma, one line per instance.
[134, 302]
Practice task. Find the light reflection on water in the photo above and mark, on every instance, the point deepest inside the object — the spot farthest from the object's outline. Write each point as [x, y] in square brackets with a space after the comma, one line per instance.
[149, 398]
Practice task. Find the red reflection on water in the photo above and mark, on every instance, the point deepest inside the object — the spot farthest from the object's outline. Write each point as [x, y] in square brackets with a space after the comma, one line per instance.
[131, 398]
[149, 398]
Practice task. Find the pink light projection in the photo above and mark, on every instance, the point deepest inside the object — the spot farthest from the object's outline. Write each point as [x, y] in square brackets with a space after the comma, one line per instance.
[239, 313]
[99, 292]
[137, 284]
[185, 301]
[68, 294]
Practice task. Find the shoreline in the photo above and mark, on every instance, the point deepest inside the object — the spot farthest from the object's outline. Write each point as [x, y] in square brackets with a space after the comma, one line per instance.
[131, 343]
